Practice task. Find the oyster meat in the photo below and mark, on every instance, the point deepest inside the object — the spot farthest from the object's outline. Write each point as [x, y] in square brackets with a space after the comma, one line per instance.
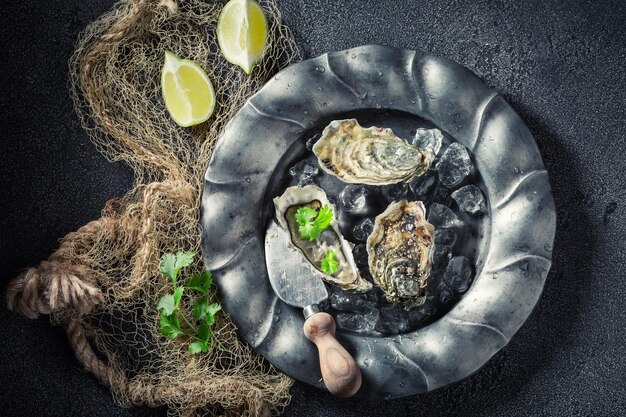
[369, 155]
[400, 251]
[313, 252]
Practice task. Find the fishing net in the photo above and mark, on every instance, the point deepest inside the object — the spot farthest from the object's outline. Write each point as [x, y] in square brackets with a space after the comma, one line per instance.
[103, 282]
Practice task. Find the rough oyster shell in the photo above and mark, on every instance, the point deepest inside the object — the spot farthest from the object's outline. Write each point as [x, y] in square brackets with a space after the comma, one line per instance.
[369, 156]
[348, 276]
[400, 251]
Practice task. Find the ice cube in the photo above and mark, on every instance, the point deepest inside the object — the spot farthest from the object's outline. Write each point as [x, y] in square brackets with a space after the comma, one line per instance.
[416, 317]
[423, 185]
[429, 307]
[395, 192]
[311, 141]
[445, 293]
[470, 199]
[303, 172]
[442, 196]
[454, 165]
[351, 301]
[441, 216]
[363, 229]
[458, 273]
[441, 257]
[428, 138]
[360, 255]
[353, 198]
[373, 295]
[444, 242]
[360, 323]
[445, 237]
[392, 319]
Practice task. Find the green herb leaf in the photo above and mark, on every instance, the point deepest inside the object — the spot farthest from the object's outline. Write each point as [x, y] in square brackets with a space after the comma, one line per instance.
[204, 331]
[170, 326]
[170, 304]
[214, 308]
[200, 308]
[203, 310]
[201, 282]
[178, 294]
[184, 259]
[324, 217]
[172, 264]
[311, 223]
[167, 305]
[305, 215]
[211, 310]
[329, 263]
[309, 231]
[198, 346]
[168, 266]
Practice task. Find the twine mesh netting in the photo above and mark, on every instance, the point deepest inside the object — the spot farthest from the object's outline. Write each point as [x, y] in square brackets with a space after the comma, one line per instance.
[103, 282]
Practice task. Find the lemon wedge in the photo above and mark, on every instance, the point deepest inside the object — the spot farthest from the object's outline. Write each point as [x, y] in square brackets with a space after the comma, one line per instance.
[187, 91]
[242, 33]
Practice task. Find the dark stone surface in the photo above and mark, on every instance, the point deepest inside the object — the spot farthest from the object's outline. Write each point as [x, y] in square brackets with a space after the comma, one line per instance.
[562, 66]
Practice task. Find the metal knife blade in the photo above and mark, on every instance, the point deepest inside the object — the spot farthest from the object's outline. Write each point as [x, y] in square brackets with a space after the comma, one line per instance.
[292, 280]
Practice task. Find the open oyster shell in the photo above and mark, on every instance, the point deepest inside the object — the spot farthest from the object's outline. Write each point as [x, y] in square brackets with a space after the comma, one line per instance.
[347, 276]
[400, 251]
[369, 156]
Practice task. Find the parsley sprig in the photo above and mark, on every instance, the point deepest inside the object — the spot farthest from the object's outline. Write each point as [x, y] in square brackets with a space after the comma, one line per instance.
[329, 263]
[169, 305]
[313, 222]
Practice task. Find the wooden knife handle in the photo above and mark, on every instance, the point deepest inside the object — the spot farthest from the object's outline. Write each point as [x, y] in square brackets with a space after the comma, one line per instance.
[340, 372]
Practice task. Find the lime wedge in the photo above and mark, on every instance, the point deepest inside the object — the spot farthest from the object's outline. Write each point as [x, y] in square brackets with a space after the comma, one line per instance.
[242, 32]
[187, 91]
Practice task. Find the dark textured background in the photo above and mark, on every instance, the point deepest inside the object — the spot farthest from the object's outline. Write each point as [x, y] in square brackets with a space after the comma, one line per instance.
[562, 66]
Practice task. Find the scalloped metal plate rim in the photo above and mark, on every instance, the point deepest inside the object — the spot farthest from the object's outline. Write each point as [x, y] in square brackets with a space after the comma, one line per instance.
[522, 226]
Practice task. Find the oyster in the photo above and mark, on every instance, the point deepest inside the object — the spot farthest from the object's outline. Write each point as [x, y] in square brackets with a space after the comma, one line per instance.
[400, 251]
[369, 155]
[313, 252]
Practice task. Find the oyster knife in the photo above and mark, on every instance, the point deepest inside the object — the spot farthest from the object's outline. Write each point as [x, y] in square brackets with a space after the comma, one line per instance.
[295, 284]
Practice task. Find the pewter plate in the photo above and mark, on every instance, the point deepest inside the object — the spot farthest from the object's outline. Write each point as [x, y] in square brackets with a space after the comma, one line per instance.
[268, 133]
